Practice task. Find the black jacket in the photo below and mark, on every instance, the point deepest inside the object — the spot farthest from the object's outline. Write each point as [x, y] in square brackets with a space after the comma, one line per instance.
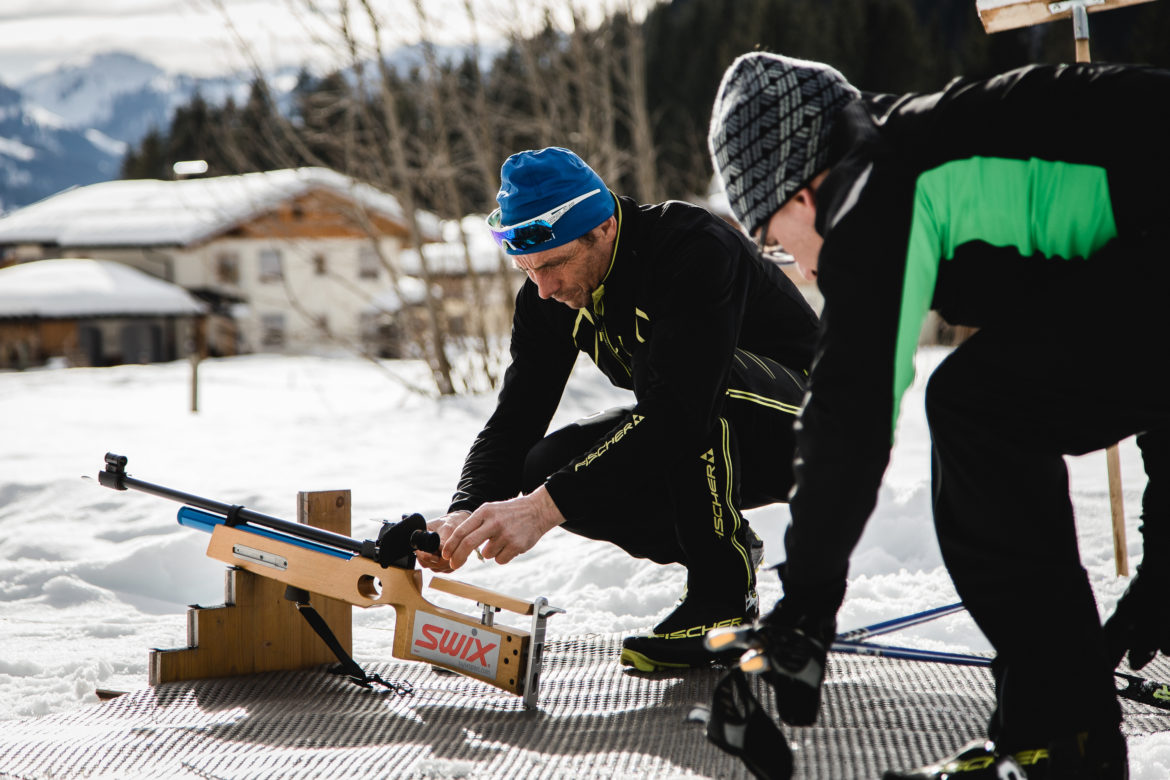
[969, 201]
[683, 291]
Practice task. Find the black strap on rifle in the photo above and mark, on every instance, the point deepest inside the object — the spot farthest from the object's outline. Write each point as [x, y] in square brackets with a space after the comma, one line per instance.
[741, 727]
[347, 666]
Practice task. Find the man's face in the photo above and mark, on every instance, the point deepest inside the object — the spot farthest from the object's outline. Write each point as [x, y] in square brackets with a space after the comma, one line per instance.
[793, 227]
[569, 273]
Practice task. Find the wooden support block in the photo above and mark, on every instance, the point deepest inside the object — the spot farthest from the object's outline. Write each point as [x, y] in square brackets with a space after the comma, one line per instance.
[257, 629]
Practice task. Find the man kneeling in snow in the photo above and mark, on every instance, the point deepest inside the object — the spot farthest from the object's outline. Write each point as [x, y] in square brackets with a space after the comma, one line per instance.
[672, 303]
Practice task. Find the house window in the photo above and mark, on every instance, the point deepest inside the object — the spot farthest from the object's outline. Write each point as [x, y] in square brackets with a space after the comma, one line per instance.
[270, 265]
[272, 330]
[320, 267]
[369, 264]
[227, 268]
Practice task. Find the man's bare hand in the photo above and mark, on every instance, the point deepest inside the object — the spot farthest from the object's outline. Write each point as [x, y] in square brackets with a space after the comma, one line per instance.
[509, 528]
[443, 526]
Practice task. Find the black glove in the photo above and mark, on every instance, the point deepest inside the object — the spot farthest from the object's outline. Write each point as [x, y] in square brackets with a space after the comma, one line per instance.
[797, 635]
[1139, 624]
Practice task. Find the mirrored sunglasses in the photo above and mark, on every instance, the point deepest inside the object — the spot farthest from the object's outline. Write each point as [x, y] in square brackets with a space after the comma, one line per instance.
[532, 232]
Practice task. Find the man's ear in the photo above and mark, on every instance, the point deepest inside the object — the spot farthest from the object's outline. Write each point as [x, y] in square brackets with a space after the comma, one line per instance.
[608, 228]
[805, 197]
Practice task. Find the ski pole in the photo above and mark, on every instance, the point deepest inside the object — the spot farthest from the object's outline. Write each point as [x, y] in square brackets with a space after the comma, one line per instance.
[908, 653]
[896, 624]
[1155, 693]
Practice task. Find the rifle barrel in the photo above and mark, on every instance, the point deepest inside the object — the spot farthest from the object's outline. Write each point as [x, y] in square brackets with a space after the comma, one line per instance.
[247, 515]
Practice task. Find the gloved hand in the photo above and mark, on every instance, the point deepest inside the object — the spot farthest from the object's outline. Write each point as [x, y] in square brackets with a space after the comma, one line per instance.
[796, 644]
[797, 635]
[1138, 624]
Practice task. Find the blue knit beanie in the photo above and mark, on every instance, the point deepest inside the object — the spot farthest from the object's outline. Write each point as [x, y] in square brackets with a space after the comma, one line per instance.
[534, 182]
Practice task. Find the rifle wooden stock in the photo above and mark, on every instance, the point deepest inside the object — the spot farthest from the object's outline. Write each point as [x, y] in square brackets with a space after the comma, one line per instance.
[423, 631]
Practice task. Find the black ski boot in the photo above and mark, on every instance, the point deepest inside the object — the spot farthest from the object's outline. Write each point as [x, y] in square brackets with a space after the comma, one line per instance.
[979, 760]
[677, 642]
[1082, 756]
[739, 726]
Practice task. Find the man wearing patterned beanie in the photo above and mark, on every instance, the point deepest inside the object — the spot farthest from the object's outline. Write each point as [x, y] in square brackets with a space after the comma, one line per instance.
[672, 303]
[1025, 206]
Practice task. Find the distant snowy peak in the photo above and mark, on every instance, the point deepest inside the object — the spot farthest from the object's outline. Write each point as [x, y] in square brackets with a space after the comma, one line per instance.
[83, 93]
[40, 154]
[72, 126]
[124, 97]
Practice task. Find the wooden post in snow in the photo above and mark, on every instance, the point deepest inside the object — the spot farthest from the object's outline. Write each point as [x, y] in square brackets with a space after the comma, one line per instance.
[998, 15]
[198, 345]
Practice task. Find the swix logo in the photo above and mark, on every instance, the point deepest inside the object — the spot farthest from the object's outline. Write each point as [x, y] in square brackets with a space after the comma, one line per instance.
[471, 649]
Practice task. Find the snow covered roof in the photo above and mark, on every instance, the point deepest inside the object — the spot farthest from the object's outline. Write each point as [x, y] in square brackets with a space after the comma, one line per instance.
[150, 212]
[89, 288]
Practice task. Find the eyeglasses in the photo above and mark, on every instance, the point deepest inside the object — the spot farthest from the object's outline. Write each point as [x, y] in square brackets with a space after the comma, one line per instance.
[773, 253]
[532, 232]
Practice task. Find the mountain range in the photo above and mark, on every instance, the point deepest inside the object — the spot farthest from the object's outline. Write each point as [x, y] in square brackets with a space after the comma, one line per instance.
[72, 125]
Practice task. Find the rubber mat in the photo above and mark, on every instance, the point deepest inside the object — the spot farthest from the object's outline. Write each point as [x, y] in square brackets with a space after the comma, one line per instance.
[594, 720]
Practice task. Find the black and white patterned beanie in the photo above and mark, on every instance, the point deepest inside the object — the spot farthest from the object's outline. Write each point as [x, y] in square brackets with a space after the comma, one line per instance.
[770, 128]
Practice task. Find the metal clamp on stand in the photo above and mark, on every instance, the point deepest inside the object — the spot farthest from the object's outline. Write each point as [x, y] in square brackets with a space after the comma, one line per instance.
[541, 612]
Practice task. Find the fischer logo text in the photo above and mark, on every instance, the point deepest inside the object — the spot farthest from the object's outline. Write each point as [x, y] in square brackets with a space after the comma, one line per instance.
[475, 650]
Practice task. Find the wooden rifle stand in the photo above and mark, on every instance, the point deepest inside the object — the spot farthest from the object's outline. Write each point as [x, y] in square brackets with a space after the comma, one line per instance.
[257, 629]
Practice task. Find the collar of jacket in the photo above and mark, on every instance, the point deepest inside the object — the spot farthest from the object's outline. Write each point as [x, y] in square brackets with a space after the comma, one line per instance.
[598, 296]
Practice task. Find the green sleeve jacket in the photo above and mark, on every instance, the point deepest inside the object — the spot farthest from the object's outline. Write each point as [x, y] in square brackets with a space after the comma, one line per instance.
[934, 200]
[683, 292]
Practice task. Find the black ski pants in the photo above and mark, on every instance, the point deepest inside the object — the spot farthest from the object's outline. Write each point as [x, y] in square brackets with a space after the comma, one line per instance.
[688, 510]
[1081, 369]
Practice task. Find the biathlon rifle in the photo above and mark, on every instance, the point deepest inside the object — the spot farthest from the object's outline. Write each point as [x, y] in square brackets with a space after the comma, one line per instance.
[369, 573]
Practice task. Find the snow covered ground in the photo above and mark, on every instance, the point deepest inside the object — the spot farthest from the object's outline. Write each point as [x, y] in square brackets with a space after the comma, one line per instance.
[91, 579]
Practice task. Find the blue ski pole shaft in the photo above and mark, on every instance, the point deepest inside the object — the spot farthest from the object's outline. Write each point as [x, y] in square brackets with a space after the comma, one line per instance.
[896, 624]
[908, 653]
[1155, 693]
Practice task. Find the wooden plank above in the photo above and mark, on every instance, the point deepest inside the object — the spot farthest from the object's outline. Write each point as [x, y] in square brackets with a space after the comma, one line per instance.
[998, 15]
